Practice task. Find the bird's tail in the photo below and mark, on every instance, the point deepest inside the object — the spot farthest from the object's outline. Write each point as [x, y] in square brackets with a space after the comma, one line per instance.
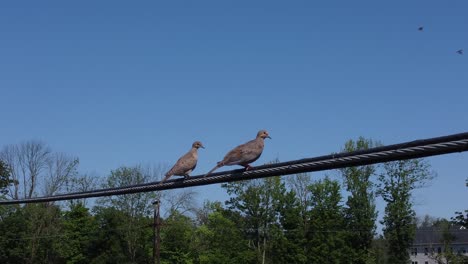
[168, 175]
[219, 165]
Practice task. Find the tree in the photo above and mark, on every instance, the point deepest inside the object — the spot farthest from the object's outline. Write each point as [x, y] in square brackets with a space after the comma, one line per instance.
[181, 201]
[379, 253]
[326, 236]
[43, 226]
[36, 169]
[426, 221]
[80, 183]
[60, 170]
[27, 161]
[396, 183]
[461, 219]
[300, 185]
[257, 203]
[133, 206]
[5, 179]
[289, 243]
[108, 243]
[220, 240]
[13, 230]
[78, 229]
[447, 238]
[177, 238]
[360, 211]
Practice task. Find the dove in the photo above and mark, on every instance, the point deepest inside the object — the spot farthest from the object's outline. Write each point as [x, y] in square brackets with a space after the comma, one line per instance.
[186, 164]
[460, 52]
[245, 153]
[421, 28]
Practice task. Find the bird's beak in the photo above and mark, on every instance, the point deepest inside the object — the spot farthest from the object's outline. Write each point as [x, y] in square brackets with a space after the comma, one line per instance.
[268, 137]
[202, 147]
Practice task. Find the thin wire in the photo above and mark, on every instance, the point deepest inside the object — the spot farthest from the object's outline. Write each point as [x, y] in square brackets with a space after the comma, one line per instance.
[403, 151]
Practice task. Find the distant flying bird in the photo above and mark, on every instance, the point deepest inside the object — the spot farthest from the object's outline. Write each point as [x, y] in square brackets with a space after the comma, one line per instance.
[460, 51]
[421, 28]
[186, 164]
[244, 154]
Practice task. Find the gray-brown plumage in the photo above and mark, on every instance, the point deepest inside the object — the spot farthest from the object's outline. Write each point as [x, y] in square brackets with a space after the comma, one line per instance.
[244, 154]
[186, 164]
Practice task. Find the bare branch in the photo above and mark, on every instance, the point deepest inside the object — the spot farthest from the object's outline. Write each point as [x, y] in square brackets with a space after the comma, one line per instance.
[60, 170]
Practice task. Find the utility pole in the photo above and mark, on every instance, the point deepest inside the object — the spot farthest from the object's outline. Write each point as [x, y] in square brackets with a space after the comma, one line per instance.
[156, 232]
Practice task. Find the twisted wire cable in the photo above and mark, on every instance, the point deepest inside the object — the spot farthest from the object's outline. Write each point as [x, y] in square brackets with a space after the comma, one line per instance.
[403, 151]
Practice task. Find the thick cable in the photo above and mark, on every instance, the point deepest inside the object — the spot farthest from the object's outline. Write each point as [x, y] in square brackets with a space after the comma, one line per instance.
[403, 151]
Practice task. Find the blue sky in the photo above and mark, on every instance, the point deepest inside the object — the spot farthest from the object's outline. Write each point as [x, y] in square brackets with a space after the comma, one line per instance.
[118, 83]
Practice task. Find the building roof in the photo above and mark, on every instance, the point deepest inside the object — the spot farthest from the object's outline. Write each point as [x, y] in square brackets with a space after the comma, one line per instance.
[434, 235]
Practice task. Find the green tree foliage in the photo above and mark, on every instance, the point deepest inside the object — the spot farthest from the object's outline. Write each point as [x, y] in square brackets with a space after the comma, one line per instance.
[134, 206]
[289, 245]
[110, 240]
[5, 179]
[177, 238]
[79, 229]
[396, 183]
[28, 233]
[379, 254]
[326, 236]
[109, 245]
[257, 202]
[448, 231]
[360, 211]
[447, 255]
[264, 221]
[461, 219]
[43, 227]
[221, 241]
[13, 234]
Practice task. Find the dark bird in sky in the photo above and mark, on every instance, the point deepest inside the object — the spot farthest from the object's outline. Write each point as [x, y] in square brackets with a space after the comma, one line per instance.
[460, 51]
[421, 28]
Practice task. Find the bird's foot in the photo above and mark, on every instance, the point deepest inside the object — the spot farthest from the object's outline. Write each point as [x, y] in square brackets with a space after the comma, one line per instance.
[247, 167]
[186, 177]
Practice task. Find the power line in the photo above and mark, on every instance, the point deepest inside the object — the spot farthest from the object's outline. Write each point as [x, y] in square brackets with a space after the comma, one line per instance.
[403, 151]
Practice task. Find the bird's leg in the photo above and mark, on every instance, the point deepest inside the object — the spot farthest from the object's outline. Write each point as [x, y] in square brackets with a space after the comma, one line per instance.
[247, 167]
[186, 176]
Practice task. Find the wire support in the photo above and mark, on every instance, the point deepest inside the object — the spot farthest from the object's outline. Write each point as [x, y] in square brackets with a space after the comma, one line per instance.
[403, 151]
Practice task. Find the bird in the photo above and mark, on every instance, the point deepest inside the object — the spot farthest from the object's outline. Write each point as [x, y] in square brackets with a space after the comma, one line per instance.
[186, 164]
[421, 28]
[460, 51]
[244, 154]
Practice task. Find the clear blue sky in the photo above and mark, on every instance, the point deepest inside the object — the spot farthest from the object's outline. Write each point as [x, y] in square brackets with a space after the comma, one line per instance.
[120, 83]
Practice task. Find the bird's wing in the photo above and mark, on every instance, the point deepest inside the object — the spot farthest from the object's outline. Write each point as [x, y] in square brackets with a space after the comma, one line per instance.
[240, 154]
[184, 164]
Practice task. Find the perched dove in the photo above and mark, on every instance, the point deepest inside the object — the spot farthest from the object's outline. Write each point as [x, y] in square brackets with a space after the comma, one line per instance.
[245, 153]
[186, 164]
